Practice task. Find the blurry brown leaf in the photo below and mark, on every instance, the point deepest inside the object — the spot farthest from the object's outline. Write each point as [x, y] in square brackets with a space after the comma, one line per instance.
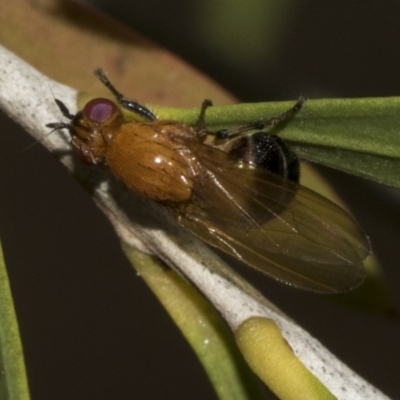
[67, 42]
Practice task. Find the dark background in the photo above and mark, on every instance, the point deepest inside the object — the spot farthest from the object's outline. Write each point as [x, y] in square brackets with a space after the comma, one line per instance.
[91, 329]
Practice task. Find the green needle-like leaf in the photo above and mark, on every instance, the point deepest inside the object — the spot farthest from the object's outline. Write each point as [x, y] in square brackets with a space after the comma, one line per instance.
[202, 326]
[358, 136]
[13, 383]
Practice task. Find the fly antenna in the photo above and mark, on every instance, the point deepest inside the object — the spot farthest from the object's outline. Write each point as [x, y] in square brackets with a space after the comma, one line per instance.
[55, 127]
[64, 110]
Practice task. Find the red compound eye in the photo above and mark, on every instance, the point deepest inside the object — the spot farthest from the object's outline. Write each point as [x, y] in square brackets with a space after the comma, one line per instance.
[99, 110]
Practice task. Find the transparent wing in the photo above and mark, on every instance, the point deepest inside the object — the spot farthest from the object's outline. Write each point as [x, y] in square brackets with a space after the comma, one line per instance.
[280, 228]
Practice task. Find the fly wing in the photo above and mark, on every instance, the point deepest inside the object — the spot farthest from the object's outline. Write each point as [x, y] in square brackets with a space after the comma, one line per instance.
[280, 228]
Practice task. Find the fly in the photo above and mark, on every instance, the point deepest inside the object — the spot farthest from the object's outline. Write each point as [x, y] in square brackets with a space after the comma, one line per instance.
[244, 200]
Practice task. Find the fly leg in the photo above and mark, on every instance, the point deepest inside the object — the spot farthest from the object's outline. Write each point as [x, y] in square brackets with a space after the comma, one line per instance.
[137, 108]
[261, 124]
[200, 126]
